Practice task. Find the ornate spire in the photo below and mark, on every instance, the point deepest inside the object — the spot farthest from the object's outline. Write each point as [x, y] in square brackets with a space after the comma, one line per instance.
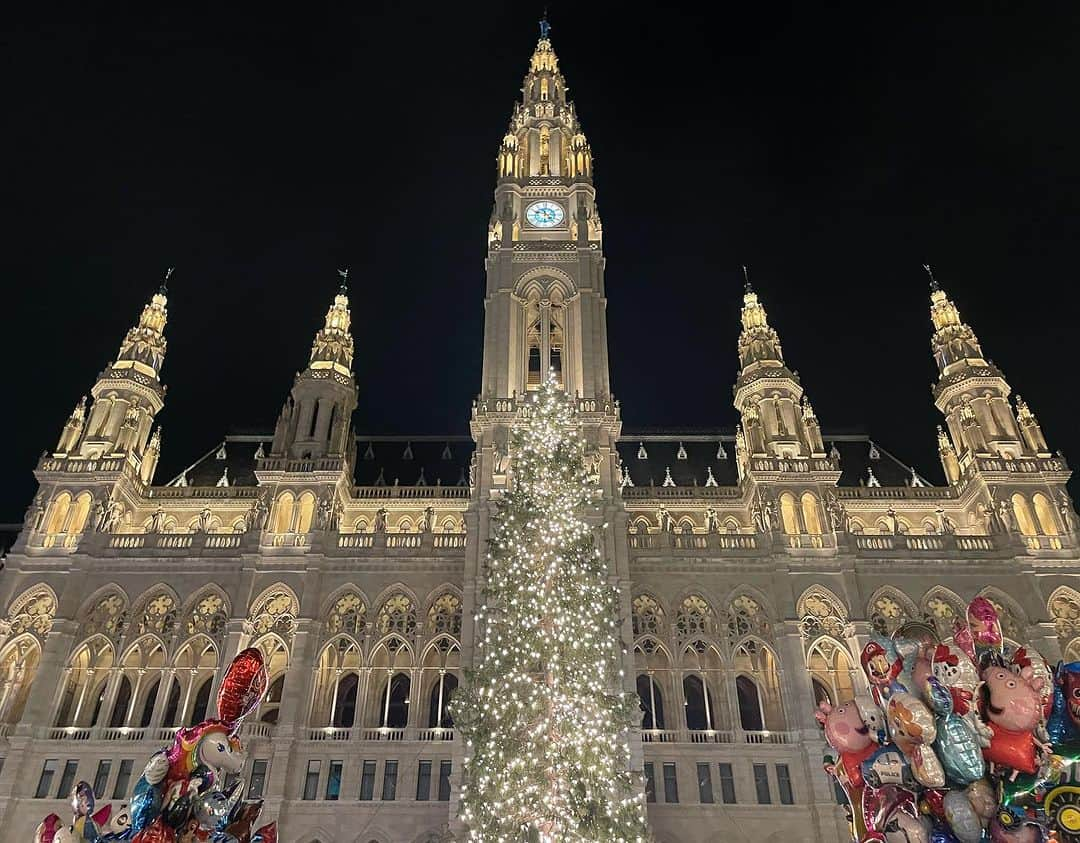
[333, 345]
[758, 342]
[143, 348]
[953, 342]
[544, 137]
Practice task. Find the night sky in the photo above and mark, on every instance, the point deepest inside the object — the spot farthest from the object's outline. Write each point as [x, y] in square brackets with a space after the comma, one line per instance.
[257, 151]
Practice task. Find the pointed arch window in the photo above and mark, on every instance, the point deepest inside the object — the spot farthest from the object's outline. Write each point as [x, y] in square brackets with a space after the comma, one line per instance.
[652, 702]
[439, 703]
[545, 339]
[751, 715]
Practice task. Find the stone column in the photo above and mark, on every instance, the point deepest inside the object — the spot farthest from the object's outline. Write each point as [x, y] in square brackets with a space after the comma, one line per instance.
[163, 693]
[795, 679]
[233, 643]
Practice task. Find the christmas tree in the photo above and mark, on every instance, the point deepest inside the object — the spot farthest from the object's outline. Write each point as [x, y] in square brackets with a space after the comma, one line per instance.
[543, 714]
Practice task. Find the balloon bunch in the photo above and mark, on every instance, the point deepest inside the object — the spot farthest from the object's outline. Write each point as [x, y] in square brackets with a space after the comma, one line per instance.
[188, 792]
[958, 742]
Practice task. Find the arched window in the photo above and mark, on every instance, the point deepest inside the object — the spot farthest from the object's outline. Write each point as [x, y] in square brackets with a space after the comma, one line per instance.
[397, 615]
[810, 514]
[269, 710]
[172, 705]
[345, 701]
[789, 514]
[695, 618]
[699, 705]
[58, 513]
[1045, 513]
[821, 693]
[148, 705]
[395, 702]
[18, 667]
[1023, 515]
[348, 615]
[648, 617]
[438, 705]
[80, 512]
[202, 701]
[751, 716]
[305, 511]
[829, 663]
[444, 616]
[283, 513]
[652, 702]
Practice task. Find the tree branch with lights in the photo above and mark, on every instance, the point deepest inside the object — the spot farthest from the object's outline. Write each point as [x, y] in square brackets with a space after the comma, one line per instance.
[543, 713]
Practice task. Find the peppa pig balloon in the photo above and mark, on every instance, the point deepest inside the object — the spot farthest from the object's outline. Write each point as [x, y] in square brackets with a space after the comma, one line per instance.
[851, 738]
[1010, 706]
[913, 730]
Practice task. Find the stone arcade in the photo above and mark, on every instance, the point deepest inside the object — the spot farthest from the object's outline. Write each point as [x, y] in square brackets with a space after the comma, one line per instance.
[753, 565]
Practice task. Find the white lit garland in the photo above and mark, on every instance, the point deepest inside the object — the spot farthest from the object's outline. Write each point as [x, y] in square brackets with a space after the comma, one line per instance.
[543, 714]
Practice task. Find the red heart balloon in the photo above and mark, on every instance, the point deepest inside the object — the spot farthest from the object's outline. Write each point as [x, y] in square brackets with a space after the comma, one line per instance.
[243, 686]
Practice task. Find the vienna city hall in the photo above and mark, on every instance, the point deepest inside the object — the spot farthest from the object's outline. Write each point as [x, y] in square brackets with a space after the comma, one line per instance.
[753, 564]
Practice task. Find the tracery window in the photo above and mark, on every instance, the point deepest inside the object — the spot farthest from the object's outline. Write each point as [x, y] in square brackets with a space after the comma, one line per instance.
[745, 616]
[888, 614]
[694, 618]
[158, 615]
[348, 615]
[444, 616]
[545, 338]
[275, 613]
[208, 617]
[397, 615]
[821, 614]
[18, 667]
[941, 611]
[1065, 610]
[107, 618]
[648, 617]
[33, 612]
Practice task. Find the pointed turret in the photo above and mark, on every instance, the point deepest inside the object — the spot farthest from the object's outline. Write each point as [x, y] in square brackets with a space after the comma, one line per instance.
[776, 420]
[971, 391]
[127, 395]
[316, 420]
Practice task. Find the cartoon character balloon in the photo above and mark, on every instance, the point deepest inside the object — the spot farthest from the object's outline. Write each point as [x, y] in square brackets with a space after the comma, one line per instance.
[912, 728]
[1010, 706]
[957, 743]
[848, 734]
[882, 664]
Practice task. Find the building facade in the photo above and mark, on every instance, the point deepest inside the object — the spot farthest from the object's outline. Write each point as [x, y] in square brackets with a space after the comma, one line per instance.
[753, 564]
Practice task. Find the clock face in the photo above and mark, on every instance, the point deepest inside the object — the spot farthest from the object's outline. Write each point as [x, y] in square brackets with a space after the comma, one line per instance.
[544, 214]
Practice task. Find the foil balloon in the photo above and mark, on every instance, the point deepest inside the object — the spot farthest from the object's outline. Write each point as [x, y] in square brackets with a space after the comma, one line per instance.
[1040, 671]
[955, 670]
[47, 828]
[963, 819]
[913, 730]
[242, 687]
[985, 627]
[892, 806]
[1064, 724]
[957, 744]
[1010, 706]
[849, 735]
[266, 834]
[156, 832]
[882, 663]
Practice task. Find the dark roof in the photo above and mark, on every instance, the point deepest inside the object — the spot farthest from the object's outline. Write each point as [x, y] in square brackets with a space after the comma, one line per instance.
[691, 455]
[444, 460]
[380, 461]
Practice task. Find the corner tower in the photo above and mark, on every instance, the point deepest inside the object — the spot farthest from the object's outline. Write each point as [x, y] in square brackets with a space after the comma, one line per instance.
[545, 306]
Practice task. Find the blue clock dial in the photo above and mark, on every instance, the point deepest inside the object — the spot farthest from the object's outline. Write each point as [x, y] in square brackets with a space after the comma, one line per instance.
[544, 214]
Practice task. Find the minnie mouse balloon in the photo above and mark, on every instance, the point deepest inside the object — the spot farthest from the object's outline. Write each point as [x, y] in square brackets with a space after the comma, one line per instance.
[243, 686]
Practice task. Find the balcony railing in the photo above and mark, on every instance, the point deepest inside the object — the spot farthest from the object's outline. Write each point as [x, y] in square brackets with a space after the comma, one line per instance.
[695, 541]
[721, 736]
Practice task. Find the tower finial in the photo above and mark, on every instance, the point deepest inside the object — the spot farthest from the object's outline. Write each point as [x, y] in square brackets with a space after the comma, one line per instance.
[164, 288]
[933, 281]
[344, 273]
[545, 27]
[746, 279]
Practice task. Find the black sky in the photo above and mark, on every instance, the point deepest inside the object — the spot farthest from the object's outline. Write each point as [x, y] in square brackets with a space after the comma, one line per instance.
[258, 150]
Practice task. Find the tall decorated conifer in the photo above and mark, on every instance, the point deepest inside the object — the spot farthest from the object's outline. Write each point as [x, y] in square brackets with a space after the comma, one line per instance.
[543, 714]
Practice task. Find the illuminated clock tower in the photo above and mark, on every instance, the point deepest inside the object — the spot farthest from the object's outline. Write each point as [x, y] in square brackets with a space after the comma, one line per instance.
[545, 310]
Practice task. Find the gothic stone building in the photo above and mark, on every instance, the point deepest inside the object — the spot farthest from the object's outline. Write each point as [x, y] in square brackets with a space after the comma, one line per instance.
[753, 564]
